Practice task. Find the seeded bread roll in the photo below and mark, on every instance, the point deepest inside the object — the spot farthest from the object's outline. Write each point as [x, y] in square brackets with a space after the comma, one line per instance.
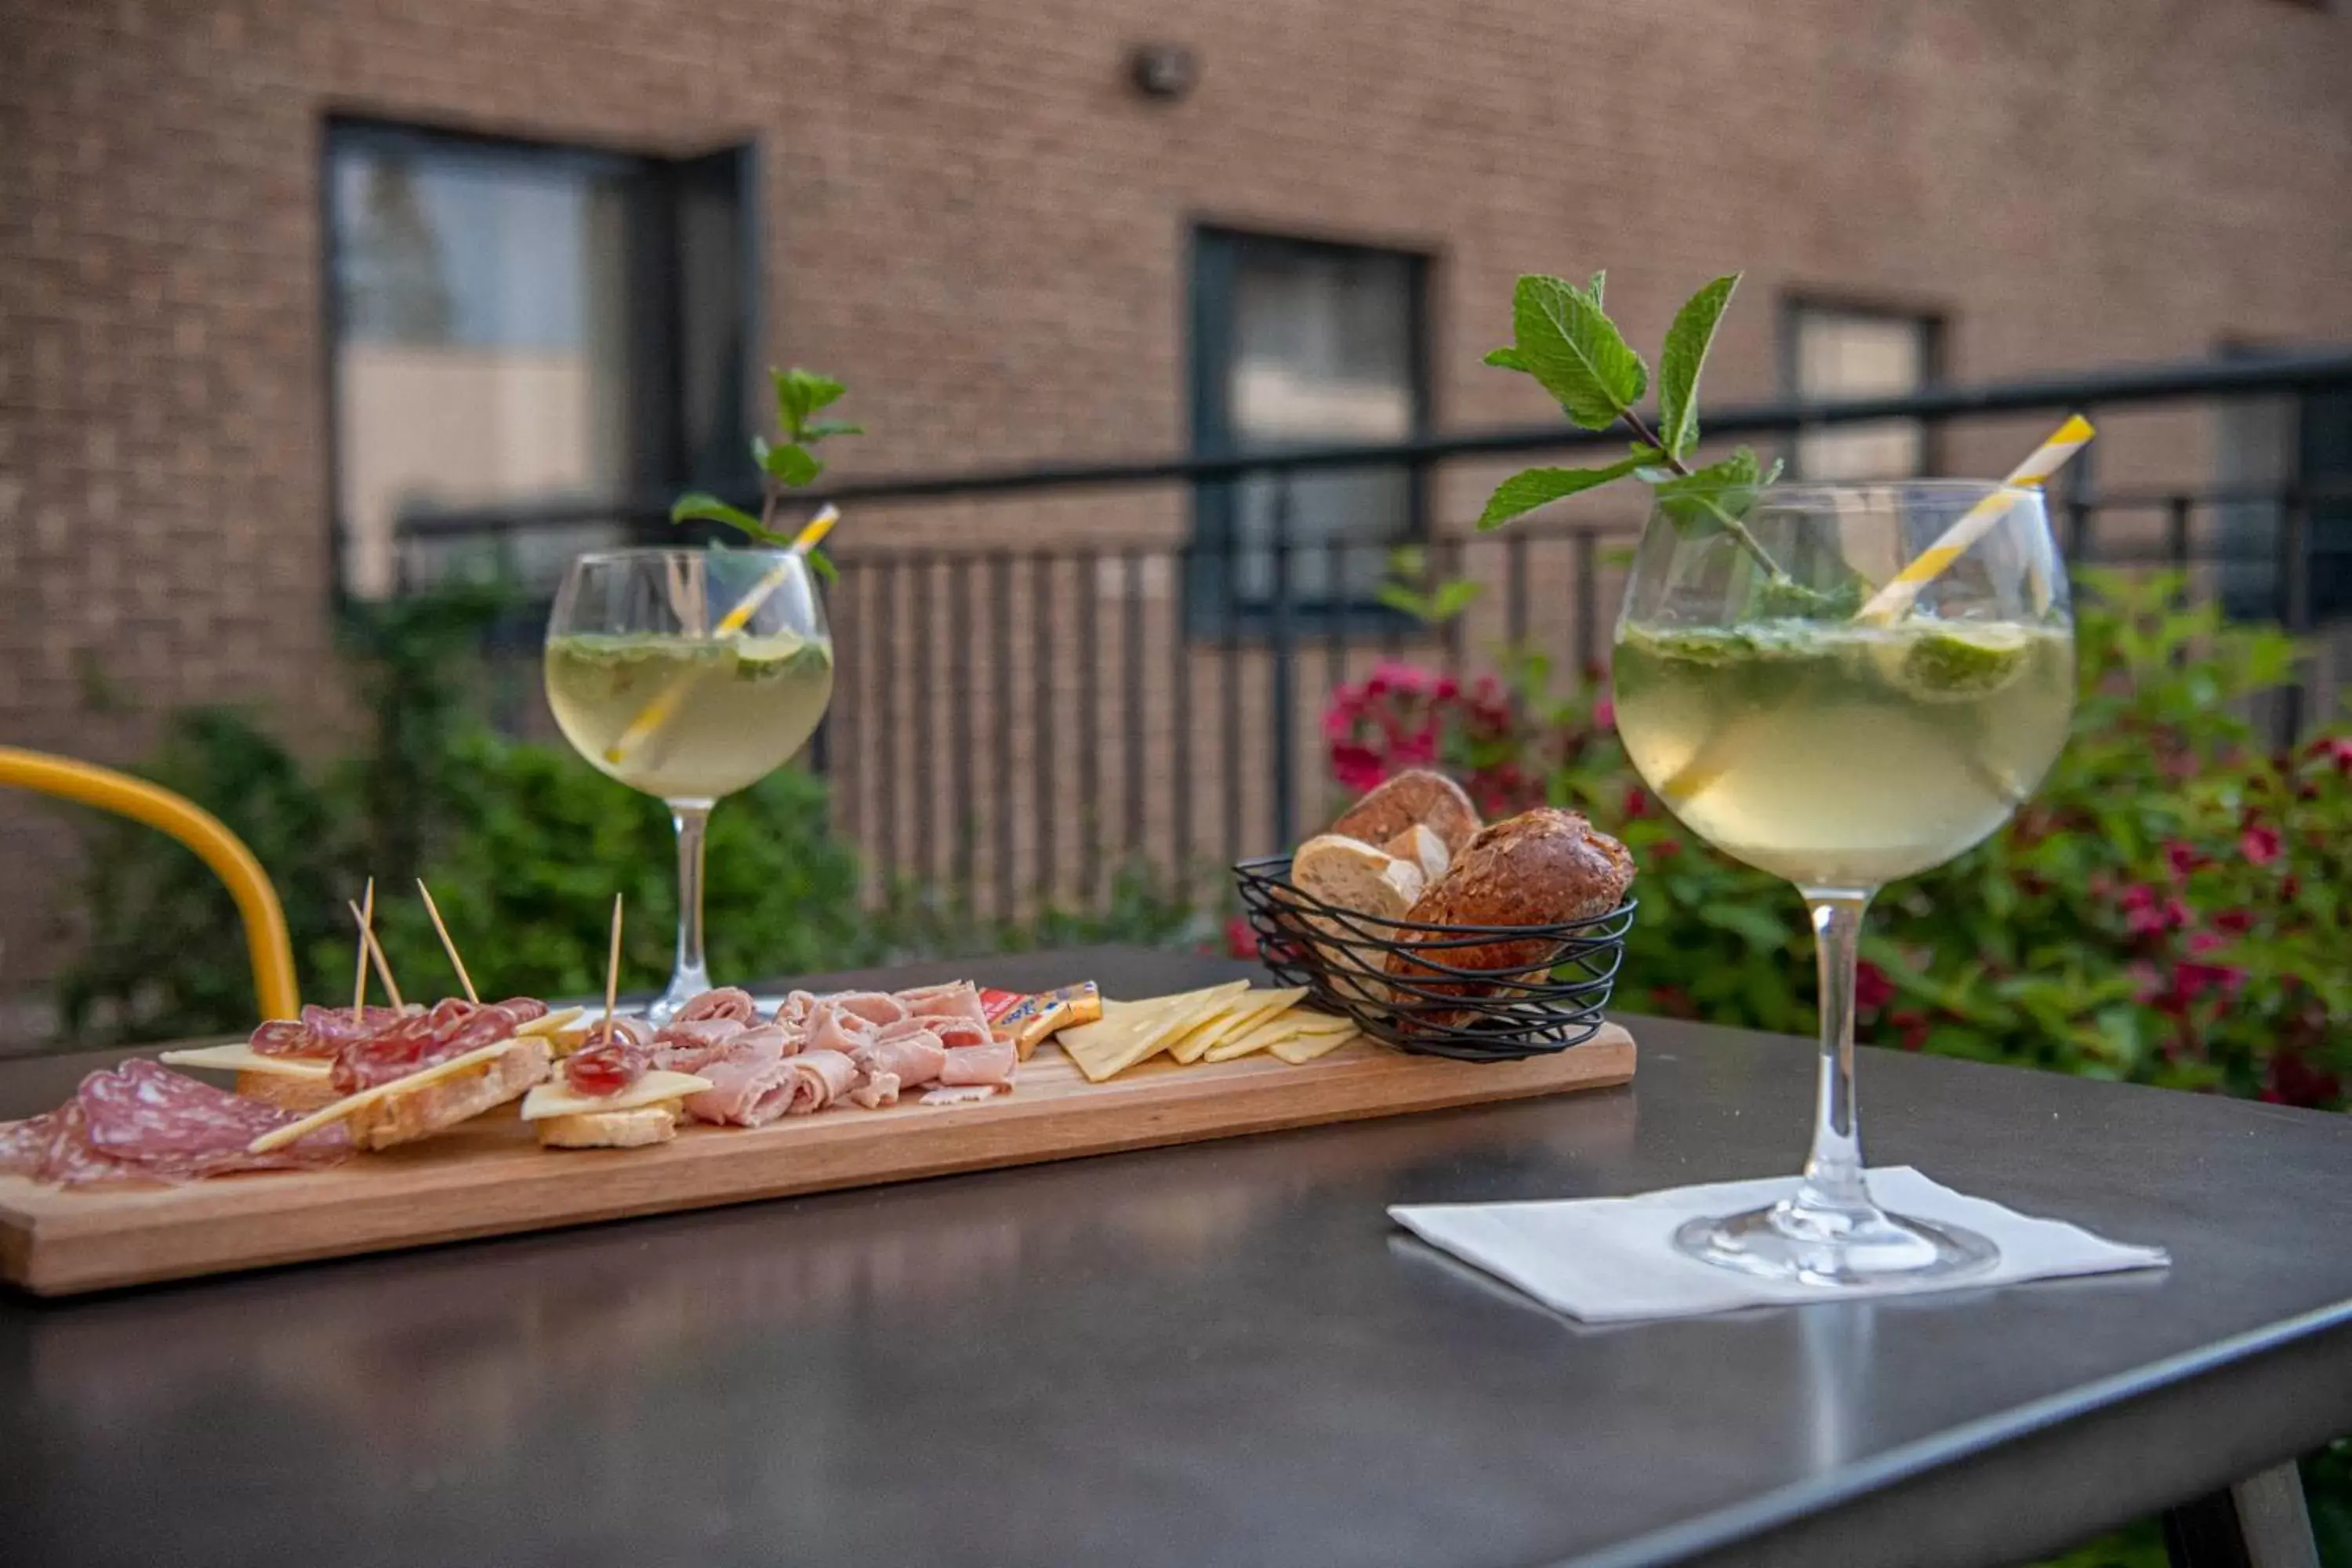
[1417, 795]
[1543, 867]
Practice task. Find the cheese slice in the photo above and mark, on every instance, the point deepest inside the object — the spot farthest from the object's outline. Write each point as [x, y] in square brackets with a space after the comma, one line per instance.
[1135, 1032]
[1290, 1026]
[1300, 1049]
[557, 1098]
[554, 1023]
[245, 1058]
[279, 1137]
[1254, 1008]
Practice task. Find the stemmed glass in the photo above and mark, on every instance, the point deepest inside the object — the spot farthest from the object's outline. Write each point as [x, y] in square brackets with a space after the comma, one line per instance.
[1843, 751]
[688, 674]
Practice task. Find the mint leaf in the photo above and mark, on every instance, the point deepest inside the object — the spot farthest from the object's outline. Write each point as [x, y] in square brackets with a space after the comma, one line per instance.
[700, 506]
[1685, 356]
[801, 392]
[822, 564]
[1577, 352]
[1506, 359]
[1714, 498]
[1600, 279]
[1525, 491]
[792, 464]
[820, 428]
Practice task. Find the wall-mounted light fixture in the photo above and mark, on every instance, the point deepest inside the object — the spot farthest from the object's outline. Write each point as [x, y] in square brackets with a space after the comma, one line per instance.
[1164, 71]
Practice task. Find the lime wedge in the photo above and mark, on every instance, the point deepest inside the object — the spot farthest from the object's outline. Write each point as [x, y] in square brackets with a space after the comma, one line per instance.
[1955, 663]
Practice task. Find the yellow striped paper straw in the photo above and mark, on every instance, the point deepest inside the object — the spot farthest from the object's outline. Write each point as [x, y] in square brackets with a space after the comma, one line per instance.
[659, 712]
[1902, 590]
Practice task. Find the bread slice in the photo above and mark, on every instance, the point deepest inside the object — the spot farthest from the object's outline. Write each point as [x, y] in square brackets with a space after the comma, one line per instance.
[1414, 795]
[636, 1129]
[406, 1115]
[286, 1093]
[1421, 844]
[1351, 875]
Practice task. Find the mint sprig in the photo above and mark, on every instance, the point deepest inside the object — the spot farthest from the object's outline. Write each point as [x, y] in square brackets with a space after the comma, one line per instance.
[1565, 339]
[789, 464]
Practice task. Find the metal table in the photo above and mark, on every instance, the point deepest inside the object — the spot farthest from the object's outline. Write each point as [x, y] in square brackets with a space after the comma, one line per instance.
[1223, 1353]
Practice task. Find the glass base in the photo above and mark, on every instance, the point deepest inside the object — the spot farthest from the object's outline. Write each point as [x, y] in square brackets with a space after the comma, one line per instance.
[1863, 1246]
[684, 987]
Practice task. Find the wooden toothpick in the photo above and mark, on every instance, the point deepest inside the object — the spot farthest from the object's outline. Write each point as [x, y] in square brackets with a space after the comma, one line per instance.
[359, 979]
[376, 952]
[447, 946]
[612, 972]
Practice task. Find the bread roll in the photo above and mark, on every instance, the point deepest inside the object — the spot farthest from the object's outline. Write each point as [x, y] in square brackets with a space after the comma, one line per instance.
[1417, 795]
[1424, 848]
[1544, 866]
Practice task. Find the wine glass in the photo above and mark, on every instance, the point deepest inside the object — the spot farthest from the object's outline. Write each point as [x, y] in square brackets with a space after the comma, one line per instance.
[688, 674]
[1843, 751]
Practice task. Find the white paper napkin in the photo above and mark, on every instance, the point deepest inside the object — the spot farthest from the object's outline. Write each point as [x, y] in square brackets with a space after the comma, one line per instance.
[1609, 1260]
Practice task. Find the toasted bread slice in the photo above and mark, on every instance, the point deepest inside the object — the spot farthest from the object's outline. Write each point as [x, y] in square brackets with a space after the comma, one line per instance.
[1348, 874]
[637, 1128]
[286, 1093]
[406, 1115]
[1421, 844]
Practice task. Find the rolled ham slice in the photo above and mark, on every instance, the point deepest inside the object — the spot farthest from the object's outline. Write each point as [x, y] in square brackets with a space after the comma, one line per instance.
[875, 1090]
[956, 999]
[818, 1078]
[796, 1008]
[833, 1030]
[914, 1059]
[955, 1033]
[727, 1002]
[685, 1045]
[990, 1065]
[750, 1081]
[877, 1008]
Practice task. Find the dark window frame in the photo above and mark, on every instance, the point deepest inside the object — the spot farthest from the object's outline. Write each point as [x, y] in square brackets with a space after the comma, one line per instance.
[1935, 324]
[658, 464]
[1212, 607]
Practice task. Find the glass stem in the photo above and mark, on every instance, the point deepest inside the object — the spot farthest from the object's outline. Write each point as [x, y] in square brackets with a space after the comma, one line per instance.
[689, 977]
[1832, 1186]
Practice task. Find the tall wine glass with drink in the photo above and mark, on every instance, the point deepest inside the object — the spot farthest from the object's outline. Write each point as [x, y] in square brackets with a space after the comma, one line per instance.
[690, 675]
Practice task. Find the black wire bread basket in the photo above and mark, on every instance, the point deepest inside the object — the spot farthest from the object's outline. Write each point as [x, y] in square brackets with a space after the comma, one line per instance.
[1444, 998]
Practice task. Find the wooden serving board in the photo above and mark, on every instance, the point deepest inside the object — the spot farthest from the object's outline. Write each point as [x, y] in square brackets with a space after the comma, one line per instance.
[490, 1177]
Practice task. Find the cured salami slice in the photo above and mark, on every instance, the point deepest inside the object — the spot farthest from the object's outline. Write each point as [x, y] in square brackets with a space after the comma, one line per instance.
[452, 1029]
[170, 1126]
[24, 1145]
[322, 1031]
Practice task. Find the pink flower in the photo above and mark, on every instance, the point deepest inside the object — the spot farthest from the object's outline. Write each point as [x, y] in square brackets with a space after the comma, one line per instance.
[1446, 690]
[1417, 750]
[2260, 844]
[1605, 714]
[1355, 767]
[1241, 938]
[2236, 922]
[1338, 722]
[2336, 749]
[1872, 989]
[1637, 802]
[2183, 859]
[1389, 676]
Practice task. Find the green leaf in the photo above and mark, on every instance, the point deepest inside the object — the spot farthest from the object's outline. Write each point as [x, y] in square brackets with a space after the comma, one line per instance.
[1688, 342]
[1525, 491]
[819, 430]
[698, 506]
[1712, 498]
[801, 392]
[1454, 597]
[1576, 352]
[793, 464]
[1593, 291]
[822, 564]
[1506, 359]
[1404, 601]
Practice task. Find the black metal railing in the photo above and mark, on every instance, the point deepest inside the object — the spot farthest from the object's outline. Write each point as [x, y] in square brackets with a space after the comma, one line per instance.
[1108, 689]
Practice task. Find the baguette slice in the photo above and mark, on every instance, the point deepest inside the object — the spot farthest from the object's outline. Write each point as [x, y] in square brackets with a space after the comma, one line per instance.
[1353, 876]
[408, 1114]
[1417, 794]
[286, 1093]
[633, 1129]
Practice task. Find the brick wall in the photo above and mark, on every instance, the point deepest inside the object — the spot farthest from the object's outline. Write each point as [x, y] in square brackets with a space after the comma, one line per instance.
[972, 217]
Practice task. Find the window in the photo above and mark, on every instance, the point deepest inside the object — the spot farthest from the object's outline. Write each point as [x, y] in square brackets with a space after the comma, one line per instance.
[1834, 351]
[1298, 343]
[529, 327]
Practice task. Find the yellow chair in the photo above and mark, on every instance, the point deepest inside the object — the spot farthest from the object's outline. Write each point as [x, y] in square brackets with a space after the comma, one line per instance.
[265, 920]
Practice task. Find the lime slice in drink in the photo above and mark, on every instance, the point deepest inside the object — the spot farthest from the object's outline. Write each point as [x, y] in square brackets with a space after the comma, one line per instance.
[1698, 645]
[767, 658]
[1958, 662]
